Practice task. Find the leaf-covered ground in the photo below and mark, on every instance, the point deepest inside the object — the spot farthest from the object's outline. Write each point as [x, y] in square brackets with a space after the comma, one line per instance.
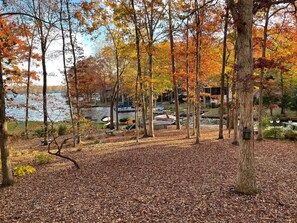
[164, 179]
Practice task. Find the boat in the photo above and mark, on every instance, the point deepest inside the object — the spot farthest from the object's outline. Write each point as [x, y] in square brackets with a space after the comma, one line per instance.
[164, 119]
[105, 119]
[125, 107]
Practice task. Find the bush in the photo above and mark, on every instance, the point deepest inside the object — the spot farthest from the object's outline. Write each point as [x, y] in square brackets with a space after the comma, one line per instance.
[124, 119]
[62, 129]
[265, 121]
[42, 158]
[274, 132]
[291, 135]
[39, 132]
[21, 170]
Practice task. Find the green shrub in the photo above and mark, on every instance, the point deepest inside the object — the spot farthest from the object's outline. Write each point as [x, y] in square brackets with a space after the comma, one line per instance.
[274, 132]
[265, 121]
[124, 119]
[291, 135]
[42, 158]
[62, 129]
[39, 132]
[21, 170]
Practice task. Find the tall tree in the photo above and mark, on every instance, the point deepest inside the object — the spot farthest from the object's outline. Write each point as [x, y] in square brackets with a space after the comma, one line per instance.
[29, 32]
[63, 35]
[221, 136]
[138, 95]
[187, 79]
[242, 13]
[72, 43]
[235, 102]
[197, 38]
[153, 12]
[173, 68]
[43, 9]
[30, 45]
[268, 14]
[11, 48]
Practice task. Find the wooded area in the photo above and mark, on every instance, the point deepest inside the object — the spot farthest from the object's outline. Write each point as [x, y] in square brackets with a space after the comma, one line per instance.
[150, 49]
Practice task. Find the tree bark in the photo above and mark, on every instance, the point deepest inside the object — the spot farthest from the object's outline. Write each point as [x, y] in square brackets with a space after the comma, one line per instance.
[235, 102]
[28, 90]
[78, 132]
[282, 93]
[227, 106]
[118, 85]
[221, 136]
[44, 90]
[173, 70]
[242, 13]
[138, 77]
[65, 74]
[260, 108]
[151, 91]
[7, 175]
[197, 67]
[188, 84]
[30, 44]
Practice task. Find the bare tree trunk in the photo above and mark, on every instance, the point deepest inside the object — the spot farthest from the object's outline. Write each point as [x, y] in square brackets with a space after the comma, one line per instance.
[282, 92]
[111, 125]
[197, 60]
[28, 91]
[221, 136]
[65, 74]
[44, 89]
[235, 120]
[112, 100]
[173, 70]
[188, 84]
[138, 77]
[151, 90]
[143, 109]
[227, 106]
[118, 86]
[43, 45]
[242, 12]
[235, 102]
[7, 176]
[260, 108]
[44, 93]
[44, 37]
[30, 44]
[75, 74]
[193, 118]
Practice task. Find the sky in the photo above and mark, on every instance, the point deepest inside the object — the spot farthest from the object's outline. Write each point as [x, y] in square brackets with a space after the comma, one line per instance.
[55, 65]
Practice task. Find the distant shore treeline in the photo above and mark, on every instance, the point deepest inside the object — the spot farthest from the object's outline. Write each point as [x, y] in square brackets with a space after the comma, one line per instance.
[37, 89]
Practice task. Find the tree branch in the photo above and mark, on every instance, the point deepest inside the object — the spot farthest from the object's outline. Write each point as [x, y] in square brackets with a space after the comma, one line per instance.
[22, 13]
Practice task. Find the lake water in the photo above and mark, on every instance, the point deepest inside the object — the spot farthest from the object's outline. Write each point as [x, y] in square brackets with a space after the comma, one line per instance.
[58, 109]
